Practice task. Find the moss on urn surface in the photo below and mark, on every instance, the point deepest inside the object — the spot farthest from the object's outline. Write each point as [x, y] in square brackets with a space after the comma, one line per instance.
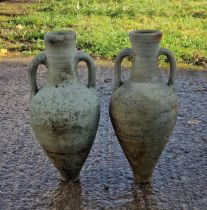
[64, 114]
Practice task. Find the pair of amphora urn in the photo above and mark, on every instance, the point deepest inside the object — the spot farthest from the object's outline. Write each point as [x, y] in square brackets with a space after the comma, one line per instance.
[64, 114]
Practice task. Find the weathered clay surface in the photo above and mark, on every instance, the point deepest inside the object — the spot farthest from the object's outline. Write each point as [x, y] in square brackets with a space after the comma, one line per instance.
[28, 180]
[64, 114]
[143, 116]
[143, 109]
[65, 120]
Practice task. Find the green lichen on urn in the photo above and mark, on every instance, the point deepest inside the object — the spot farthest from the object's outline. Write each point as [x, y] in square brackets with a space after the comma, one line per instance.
[64, 114]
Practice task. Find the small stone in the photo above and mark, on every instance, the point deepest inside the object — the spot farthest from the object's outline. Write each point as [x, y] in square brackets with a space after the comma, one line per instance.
[19, 26]
[193, 122]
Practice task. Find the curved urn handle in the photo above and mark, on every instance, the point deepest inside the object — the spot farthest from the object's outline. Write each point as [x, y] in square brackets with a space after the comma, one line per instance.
[171, 60]
[32, 71]
[81, 56]
[127, 52]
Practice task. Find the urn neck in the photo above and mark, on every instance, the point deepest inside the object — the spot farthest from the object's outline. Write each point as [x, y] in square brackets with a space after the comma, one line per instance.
[145, 46]
[60, 53]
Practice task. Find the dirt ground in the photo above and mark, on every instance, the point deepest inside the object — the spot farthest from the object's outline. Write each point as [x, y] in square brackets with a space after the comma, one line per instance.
[28, 179]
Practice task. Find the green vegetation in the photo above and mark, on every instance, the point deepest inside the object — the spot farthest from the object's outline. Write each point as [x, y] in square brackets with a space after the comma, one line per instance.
[102, 26]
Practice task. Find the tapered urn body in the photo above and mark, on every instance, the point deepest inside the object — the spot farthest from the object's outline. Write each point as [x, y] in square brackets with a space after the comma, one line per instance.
[64, 114]
[143, 109]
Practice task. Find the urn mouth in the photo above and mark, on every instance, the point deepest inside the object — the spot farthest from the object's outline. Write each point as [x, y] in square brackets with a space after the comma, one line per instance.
[146, 35]
[59, 37]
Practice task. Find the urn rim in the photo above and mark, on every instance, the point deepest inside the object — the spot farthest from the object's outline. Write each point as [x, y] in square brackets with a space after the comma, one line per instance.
[56, 37]
[146, 34]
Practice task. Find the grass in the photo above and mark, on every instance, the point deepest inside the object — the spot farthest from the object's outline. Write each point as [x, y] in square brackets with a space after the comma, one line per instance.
[102, 26]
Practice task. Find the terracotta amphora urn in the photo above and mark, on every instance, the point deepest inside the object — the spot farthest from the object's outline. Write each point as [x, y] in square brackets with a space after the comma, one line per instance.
[64, 114]
[143, 109]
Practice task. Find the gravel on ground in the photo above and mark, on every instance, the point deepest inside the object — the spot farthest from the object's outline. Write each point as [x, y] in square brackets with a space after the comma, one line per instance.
[28, 179]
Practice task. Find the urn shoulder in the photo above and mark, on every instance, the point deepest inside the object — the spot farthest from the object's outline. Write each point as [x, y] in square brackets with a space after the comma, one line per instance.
[66, 102]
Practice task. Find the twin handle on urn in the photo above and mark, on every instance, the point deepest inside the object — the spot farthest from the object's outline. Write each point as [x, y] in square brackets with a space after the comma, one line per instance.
[64, 114]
